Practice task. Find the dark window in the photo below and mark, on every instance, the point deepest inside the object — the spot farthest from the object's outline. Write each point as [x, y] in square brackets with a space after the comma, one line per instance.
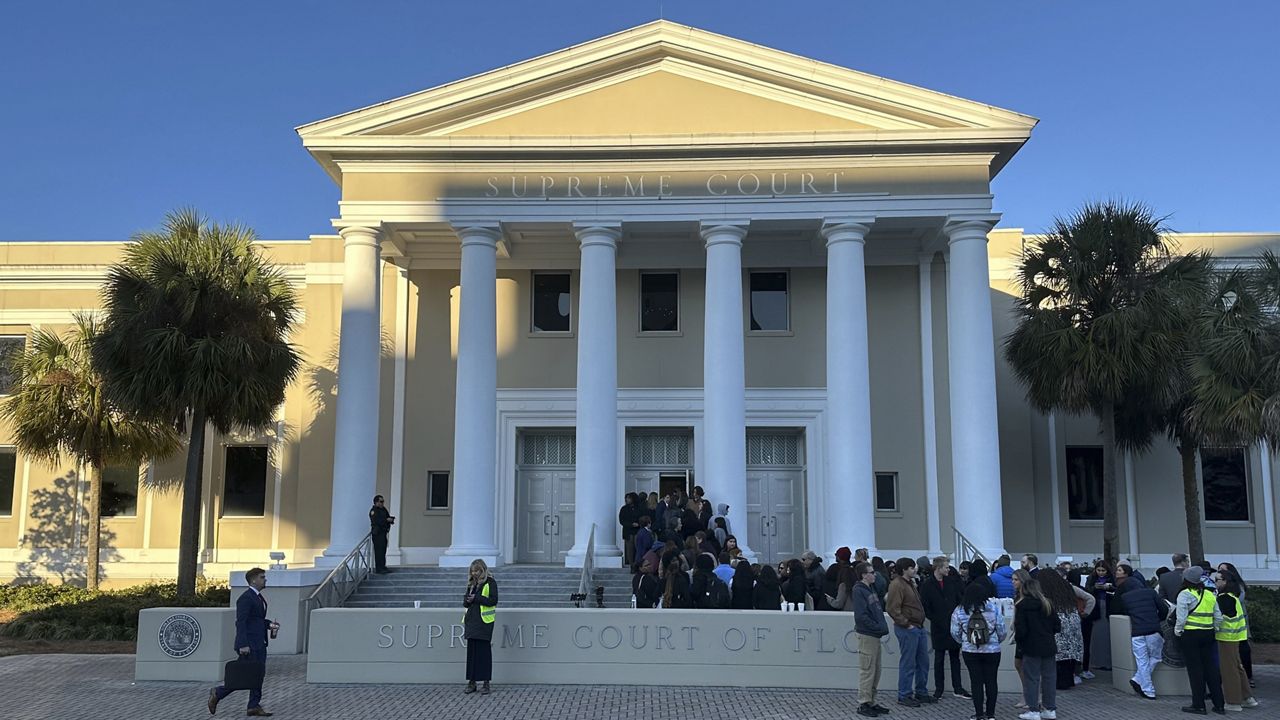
[120, 491]
[1226, 483]
[769, 301]
[551, 302]
[437, 491]
[8, 471]
[10, 347]
[245, 483]
[887, 492]
[659, 302]
[1084, 482]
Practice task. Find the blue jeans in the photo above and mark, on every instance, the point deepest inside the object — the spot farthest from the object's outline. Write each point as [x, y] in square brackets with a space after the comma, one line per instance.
[913, 665]
[1039, 682]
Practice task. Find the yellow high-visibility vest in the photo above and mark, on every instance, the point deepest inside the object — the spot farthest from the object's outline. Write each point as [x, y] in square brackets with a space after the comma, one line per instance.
[1201, 616]
[487, 612]
[1233, 628]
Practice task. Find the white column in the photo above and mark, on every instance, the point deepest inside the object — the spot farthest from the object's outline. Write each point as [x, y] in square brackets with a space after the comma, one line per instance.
[397, 413]
[975, 433]
[1054, 484]
[724, 376]
[596, 473]
[1271, 559]
[1131, 511]
[355, 447]
[850, 504]
[476, 403]
[930, 428]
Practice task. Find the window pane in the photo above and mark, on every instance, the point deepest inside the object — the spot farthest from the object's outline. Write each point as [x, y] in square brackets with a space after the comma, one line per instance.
[120, 491]
[1084, 483]
[769, 301]
[245, 485]
[8, 468]
[10, 347]
[438, 492]
[551, 302]
[1226, 484]
[886, 491]
[659, 302]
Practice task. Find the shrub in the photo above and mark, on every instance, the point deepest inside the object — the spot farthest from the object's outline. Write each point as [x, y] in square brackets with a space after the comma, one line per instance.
[59, 612]
[1263, 604]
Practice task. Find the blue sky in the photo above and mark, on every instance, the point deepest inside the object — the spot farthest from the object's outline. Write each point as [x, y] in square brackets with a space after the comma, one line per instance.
[119, 112]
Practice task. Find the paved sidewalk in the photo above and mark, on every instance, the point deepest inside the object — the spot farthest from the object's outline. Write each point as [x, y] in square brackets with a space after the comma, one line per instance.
[101, 687]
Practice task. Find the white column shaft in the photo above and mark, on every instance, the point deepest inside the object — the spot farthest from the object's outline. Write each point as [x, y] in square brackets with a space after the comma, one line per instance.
[850, 477]
[596, 476]
[724, 377]
[930, 423]
[476, 403]
[355, 450]
[1271, 558]
[397, 412]
[975, 436]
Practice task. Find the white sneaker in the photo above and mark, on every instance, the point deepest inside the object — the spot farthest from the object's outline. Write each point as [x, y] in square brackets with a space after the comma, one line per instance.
[1048, 715]
[1029, 715]
[1250, 702]
[1232, 708]
[1087, 675]
[1076, 680]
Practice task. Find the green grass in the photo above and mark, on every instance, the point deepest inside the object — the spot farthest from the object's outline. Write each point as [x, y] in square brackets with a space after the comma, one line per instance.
[63, 612]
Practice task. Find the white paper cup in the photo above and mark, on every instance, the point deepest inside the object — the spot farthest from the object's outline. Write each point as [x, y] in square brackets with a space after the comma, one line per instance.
[417, 603]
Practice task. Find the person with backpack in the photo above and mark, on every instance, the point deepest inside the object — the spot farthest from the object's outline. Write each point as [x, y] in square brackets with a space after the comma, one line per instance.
[676, 593]
[644, 584]
[978, 625]
[709, 591]
[767, 594]
[869, 625]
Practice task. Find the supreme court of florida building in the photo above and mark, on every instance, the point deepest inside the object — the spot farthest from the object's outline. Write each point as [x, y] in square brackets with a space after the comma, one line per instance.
[658, 258]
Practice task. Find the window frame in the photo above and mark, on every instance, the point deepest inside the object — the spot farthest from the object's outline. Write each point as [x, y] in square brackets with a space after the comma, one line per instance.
[640, 331]
[26, 338]
[1248, 488]
[137, 496]
[786, 274]
[448, 506]
[896, 510]
[13, 492]
[222, 505]
[533, 331]
[1066, 485]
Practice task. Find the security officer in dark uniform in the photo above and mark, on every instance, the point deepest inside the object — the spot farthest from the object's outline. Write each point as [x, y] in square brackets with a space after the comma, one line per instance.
[380, 524]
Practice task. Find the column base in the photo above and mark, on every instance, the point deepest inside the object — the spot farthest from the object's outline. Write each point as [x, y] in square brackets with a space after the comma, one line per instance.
[605, 557]
[1272, 562]
[332, 556]
[462, 556]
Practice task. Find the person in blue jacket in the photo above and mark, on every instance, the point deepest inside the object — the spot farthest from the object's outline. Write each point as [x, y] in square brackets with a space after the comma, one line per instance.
[1002, 577]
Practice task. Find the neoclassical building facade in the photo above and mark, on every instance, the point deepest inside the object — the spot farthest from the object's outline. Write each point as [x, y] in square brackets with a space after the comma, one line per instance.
[660, 258]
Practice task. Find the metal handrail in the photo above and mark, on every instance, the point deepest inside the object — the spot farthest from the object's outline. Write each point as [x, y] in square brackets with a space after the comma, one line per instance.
[338, 585]
[588, 563]
[966, 550]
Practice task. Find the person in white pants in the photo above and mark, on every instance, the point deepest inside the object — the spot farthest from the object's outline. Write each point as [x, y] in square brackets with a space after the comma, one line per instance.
[1145, 610]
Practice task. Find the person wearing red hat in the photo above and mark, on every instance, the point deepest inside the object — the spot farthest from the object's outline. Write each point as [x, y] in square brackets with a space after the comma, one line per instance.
[831, 584]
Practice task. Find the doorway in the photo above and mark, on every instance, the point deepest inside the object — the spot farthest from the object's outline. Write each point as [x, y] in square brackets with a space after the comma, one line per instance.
[545, 496]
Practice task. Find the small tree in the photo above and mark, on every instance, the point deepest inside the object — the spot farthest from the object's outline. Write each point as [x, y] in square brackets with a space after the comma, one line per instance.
[59, 411]
[1098, 318]
[195, 334]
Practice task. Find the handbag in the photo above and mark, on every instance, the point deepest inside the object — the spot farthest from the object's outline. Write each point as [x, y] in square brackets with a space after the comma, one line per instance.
[243, 673]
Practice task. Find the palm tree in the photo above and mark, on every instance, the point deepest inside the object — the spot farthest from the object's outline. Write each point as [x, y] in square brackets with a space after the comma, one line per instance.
[58, 410]
[1098, 319]
[195, 334]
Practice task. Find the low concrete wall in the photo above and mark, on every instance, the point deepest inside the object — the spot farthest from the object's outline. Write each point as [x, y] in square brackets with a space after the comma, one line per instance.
[569, 646]
[184, 643]
[285, 592]
[1168, 680]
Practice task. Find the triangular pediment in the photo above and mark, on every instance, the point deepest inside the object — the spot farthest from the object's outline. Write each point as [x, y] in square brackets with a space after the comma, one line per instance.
[663, 78]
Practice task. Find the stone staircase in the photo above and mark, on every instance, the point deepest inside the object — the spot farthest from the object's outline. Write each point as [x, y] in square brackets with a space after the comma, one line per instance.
[519, 586]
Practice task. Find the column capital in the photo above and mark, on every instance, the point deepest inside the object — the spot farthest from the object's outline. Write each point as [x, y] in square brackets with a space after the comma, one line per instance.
[360, 235]
[488, 235]
[598, 233]
[847, 229]
[717, 232]
[969, 227]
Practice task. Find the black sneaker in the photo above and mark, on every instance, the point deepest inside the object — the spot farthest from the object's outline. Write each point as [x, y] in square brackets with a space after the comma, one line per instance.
[927, 699]
[911, 702]
[1136, 687]
[1194, 710]
[937, 694]
[961, 693]
[867, 711]
[880, 709]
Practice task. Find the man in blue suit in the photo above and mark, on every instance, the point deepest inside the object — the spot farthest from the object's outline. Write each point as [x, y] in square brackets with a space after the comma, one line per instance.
[252, 629]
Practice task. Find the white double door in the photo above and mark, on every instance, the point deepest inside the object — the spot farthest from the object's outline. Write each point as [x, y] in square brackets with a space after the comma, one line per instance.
[775, 513]
[544, 518]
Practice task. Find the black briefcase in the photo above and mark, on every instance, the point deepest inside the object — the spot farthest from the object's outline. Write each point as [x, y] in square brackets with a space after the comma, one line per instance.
[243, 673]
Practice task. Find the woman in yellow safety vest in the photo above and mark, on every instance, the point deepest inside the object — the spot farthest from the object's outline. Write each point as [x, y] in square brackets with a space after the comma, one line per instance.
[1231, 634]
[1197, 619]
[481, 602]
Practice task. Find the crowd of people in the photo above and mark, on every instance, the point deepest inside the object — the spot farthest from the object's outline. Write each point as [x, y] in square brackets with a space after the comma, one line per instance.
[1057, 618]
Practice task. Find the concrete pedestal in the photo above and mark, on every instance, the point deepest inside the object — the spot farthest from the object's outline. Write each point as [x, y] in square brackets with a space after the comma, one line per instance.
[1168, 680]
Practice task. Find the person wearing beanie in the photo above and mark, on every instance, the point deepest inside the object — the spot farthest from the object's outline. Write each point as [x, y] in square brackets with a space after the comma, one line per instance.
[831, 583]
[1198, 619]
[1146, 611]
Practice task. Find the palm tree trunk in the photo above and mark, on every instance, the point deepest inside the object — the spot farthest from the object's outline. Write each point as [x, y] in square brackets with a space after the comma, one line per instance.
[1191, 498]
[1110, 502]
[94, 541]
[188, 537]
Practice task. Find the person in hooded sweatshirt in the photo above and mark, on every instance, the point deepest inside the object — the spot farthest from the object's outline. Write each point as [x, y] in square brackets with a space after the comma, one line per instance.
[1145, 610]
[814, 575]
[1002, 578]
[722, 511]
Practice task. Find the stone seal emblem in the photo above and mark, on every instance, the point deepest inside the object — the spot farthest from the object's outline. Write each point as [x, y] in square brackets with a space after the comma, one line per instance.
[179, 635]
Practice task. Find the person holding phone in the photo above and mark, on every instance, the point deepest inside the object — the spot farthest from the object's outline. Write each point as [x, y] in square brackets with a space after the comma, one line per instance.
[380, 521]
[481, 602]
